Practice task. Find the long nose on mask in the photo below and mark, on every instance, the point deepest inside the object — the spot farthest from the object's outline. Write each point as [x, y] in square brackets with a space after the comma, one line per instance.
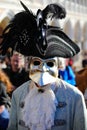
[43, 72]
[44, 67]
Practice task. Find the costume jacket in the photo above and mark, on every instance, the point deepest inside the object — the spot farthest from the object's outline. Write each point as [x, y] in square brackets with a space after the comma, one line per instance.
[70, 111]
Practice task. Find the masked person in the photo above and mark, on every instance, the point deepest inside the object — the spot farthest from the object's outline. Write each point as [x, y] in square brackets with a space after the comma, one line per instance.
[44, 102]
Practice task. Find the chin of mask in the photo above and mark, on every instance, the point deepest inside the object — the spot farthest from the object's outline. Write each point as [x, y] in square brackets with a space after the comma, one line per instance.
[43, 72]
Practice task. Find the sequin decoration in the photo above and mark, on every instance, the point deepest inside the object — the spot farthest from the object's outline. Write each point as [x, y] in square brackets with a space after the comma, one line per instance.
[24, 37]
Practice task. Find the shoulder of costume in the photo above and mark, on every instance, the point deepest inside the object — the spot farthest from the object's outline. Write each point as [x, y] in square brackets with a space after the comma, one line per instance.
[22, 88]
[67, 88]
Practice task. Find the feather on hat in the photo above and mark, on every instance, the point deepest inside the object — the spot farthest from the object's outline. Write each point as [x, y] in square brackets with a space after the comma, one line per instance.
[30, 35]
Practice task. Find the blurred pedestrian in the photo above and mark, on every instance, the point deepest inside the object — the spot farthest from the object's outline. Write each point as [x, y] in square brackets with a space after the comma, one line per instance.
[5, 101]
[66, 72]
[5, 79]
[17, 74]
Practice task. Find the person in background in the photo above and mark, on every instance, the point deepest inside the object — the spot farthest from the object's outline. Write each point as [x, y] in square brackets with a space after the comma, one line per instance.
[5, 101]
[66, 72]
[4, 114]
[16, 73]
[45, 102]
[84, 61]
[5, 79]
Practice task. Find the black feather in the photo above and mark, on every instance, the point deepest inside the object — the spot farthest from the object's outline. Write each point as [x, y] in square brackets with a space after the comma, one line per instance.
[11, 35]
[26, 9]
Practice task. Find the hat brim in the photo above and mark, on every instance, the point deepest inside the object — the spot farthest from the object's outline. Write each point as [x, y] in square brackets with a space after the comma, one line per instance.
[59, 44]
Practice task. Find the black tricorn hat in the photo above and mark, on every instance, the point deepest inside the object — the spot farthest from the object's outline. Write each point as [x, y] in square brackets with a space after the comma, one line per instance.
[30, 34]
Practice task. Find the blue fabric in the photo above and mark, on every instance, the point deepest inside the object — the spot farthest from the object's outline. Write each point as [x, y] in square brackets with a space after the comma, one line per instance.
[68, 75]
[4, 120]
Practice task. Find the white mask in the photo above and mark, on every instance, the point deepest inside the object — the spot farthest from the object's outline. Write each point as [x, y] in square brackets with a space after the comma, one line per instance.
[42, 71]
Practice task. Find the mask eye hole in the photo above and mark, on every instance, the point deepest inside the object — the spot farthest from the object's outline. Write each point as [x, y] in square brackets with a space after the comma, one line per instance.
[50, 64]
[36, 63]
